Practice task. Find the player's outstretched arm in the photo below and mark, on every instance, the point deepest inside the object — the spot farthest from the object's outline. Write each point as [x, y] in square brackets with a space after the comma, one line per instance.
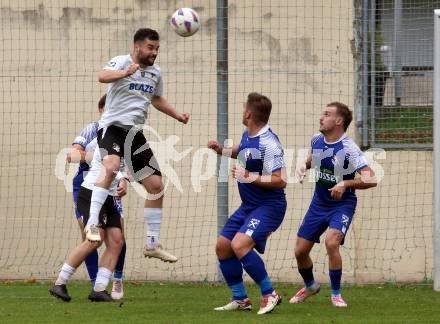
[161, 104]
[276, 180]
[109, 76]
[220, 150]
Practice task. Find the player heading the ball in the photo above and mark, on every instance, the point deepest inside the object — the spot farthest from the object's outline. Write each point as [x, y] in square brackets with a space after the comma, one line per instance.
[135, 82]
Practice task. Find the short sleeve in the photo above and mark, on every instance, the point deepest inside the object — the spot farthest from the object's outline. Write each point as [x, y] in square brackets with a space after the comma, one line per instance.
[86, 135]
[273, 157]
[116, 63]
[356, 157]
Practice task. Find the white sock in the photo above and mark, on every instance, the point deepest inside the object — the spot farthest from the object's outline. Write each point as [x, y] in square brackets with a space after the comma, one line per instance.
[153, 218]
[102, 279]
[66, 273]
[99, 195]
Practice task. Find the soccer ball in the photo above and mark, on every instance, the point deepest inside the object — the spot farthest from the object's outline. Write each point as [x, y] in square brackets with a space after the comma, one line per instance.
[185, 22]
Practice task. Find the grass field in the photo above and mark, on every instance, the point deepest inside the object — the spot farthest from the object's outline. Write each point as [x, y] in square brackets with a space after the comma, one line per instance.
[193, 303]
[404, 125]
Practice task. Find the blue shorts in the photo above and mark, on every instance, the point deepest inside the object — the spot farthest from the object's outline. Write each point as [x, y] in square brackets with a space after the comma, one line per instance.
[118, 205]
[75, 200]
[76, 185]
[319, 218]
[258, 222]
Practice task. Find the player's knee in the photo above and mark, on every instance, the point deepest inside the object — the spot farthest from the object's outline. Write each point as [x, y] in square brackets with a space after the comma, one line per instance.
[110, 170]
[155, 187]
[220, 249]
[111, 166]
[238, 247]
[332, 244]
[300, 253]
[116, 243]
[223, 248]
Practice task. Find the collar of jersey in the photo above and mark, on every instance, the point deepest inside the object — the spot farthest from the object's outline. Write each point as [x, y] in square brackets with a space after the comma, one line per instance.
[261, 131]
[340, 139]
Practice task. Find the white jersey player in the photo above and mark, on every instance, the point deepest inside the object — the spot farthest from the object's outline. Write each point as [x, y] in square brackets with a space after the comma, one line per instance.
[110, 220]
[129, 98]
[135, 82]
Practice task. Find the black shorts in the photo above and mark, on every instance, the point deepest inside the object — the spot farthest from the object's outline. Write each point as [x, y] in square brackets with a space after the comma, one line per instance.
[109, 215]
[113, 140]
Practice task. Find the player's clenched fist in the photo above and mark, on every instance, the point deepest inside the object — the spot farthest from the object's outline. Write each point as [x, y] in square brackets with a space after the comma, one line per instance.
[300, 172]
[183, 118]
[214, 145]
[121, 191]
[242, 175]
[131, 69]
[337, 191]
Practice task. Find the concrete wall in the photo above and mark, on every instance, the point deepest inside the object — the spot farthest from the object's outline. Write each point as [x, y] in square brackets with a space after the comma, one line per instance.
[296, 52]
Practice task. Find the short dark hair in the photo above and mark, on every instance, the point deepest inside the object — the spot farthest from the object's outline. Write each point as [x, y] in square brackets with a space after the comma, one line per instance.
[101, 102]
[343, 111]
[145, 33]
[260, 106]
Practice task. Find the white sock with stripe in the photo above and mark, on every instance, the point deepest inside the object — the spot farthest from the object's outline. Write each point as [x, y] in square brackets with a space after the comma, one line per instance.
[152, 218]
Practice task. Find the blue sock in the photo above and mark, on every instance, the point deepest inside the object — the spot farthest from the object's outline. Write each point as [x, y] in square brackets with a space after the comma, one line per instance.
[232, 271]
[335, 281]
[254, 266]
[91, 262]
[120, 265]
[307, 275]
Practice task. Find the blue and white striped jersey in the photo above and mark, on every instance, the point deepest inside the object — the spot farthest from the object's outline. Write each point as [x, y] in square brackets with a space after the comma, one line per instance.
[262, 154]
[85, 139]
[334, 162]
[87, 135]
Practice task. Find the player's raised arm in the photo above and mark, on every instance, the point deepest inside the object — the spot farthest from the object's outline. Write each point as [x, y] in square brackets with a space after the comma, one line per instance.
[116, 69]
[161, 104]
[110, 75]
[221, 150]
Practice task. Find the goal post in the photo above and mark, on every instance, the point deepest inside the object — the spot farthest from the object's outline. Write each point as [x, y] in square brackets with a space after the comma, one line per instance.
[436, 94]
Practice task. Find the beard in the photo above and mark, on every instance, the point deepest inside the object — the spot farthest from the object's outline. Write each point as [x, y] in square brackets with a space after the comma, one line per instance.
[146, 60]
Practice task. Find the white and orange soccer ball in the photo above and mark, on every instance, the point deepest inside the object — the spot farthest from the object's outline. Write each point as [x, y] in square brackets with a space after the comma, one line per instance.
[185, 22]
